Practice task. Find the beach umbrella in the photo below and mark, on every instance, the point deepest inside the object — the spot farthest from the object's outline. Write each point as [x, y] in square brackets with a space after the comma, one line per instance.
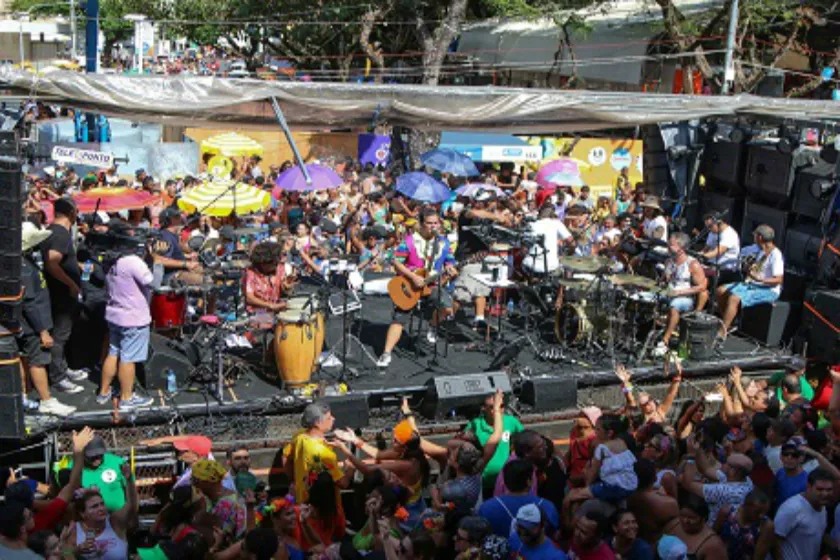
[561, 172]
[472, 189]
[450, 161]
[113, 199]
[223, 197]
[422, 187]
[232, 144]
[292, 179]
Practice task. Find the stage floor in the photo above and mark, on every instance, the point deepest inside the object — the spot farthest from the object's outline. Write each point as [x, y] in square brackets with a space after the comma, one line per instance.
[259, 391]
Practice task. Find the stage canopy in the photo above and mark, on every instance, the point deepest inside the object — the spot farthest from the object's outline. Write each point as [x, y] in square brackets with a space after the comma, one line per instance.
[245, 103]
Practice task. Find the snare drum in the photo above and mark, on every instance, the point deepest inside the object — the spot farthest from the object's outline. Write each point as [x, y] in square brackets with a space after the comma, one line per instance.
[572, 320]
[168, 308]
[298, 342]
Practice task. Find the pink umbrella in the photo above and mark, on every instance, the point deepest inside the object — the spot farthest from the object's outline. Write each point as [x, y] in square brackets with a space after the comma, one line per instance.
[564, 172]
[113, 200]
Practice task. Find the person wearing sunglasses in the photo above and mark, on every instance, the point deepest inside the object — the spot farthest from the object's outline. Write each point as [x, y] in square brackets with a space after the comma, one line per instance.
[528, 538]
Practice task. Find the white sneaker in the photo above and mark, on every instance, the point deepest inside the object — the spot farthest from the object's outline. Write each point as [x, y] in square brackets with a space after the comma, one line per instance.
[384, 360]
[55, 408]
[136, 401]
[67, 386]
[431, 336]
[660, 350]
[76, 374]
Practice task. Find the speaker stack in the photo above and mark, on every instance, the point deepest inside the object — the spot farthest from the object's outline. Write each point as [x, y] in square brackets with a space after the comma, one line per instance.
[11, 218]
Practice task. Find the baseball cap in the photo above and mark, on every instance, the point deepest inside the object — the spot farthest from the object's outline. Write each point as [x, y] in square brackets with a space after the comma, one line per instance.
[671, 548]
[96, 448]
[529, 517]
[200, 445]
[313, 413]
[328, 226]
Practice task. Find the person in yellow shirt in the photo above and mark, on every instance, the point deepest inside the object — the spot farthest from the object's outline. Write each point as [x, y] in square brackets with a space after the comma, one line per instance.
[309, 454]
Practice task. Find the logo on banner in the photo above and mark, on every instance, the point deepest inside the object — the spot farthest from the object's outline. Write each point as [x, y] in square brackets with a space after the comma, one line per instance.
[621, 158]
[64, 154]
[382, 153]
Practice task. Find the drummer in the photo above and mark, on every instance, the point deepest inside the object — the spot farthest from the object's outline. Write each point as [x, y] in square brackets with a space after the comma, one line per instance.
[264, 282]
[687, 285]
[168, 251]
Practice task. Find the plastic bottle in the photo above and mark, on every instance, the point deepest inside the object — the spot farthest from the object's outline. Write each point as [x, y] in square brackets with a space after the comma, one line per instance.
[171, 381]
[510, 307]
[87, 268]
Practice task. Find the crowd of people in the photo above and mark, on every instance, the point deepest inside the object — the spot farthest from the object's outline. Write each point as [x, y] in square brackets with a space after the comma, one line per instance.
[757, 479]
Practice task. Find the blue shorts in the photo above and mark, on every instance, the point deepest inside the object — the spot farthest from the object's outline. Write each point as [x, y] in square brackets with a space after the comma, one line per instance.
[129, 344]
[751, 294]
[682, 304]
[609, 493]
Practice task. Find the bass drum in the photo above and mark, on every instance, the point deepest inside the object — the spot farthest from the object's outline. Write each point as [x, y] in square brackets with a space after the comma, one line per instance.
[572, 321]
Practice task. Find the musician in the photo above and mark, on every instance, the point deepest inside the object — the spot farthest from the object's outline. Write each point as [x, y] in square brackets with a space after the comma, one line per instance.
[654, 226]
[723, 246]
[169, 253]
[686, 286]
[430, 250]
[264, 282]
[542, 257]
[763, 280]
[467, 288]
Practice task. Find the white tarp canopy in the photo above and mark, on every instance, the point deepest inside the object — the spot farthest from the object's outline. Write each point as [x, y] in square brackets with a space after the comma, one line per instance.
[245, 103]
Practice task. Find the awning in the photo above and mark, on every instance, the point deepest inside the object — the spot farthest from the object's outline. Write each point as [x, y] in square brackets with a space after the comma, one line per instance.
[246, 103]
[480, 146]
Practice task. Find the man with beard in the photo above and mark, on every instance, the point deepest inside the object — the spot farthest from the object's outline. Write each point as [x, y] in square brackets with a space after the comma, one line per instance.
[239, 460]
[549, 473]
[528, 539]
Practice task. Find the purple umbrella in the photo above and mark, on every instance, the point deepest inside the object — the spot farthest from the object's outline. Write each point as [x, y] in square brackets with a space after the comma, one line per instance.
[293, 180]
[422, 187]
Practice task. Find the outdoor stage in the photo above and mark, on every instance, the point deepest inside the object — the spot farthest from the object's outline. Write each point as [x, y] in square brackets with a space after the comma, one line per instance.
[258, 392]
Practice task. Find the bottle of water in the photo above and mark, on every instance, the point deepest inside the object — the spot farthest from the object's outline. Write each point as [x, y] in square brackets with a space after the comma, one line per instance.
[87, 268]
[510, 307]
[171, 381]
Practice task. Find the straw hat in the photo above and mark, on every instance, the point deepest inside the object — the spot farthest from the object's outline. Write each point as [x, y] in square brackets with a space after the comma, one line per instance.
[32, 236]
[651, 202]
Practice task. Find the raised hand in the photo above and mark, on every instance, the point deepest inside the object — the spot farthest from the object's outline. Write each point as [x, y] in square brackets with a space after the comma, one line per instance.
[81, 439]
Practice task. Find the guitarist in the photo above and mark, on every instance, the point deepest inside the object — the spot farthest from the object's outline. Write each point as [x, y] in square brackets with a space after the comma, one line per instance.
[421, 254]
[762, 282]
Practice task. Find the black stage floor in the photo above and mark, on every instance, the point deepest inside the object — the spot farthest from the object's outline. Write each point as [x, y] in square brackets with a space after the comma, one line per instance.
[259, 391]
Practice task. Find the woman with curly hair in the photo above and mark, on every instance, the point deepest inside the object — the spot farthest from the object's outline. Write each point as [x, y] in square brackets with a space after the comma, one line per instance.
[264, 283]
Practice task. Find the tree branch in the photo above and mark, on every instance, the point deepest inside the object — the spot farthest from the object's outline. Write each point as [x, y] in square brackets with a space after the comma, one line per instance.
[814, 82]
[373, 53]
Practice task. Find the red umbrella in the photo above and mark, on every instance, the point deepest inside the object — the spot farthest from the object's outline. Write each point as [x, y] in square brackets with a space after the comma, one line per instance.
[113, 200]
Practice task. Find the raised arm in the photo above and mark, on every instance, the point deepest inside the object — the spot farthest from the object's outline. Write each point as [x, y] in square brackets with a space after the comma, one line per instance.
[740, 394]
[498, 428]
[80, 441]
[623, 375]
[126, 516]
[673, 390]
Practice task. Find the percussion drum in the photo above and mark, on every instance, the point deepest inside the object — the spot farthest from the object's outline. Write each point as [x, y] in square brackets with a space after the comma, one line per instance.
[168, 308]
[572, 320]
[298, 342]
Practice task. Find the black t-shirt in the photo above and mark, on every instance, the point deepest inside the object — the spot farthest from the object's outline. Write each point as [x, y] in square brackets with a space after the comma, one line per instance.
[173, 249]
[62, 242]
[468, 242]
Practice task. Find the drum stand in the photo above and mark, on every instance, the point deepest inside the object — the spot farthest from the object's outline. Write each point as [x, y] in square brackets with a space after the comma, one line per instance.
[344, 309]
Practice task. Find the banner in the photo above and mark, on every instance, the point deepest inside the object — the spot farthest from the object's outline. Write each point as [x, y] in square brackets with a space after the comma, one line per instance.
[101, 160]
[375, 149]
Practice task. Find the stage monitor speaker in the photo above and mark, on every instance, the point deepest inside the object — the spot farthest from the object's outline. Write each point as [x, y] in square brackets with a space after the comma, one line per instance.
[802, 247]
[350, 411]
[11, 219]
[821, 320]
[723, 162]
[769, 173]
[757, 214]
[544, 394]
[731, 208]
[813, 189]
[767, 322]
[449, 393]
[12, 424]
[164, 354]
[10, 382]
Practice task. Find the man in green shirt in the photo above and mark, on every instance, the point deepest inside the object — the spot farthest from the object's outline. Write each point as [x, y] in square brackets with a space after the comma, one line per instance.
[796, 367]
[482, 427]
[104, 470]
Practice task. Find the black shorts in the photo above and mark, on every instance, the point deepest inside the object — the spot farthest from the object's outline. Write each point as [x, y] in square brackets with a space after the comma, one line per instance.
[29, 346]
[424, 308]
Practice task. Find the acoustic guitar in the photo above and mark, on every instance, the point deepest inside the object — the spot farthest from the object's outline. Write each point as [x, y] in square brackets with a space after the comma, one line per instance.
[405, 296]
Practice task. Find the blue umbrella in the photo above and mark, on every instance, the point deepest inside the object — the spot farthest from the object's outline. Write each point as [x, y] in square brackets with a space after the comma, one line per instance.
[422, 187]
[450, 161]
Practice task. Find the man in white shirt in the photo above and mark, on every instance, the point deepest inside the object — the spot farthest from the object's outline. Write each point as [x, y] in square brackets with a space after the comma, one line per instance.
[722, 248]
[655, 226]
[763, 282]
[543, 256]
[801, 521]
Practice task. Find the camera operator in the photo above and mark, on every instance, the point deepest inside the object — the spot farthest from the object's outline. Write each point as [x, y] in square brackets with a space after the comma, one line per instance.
[169, 253]
[128, 280]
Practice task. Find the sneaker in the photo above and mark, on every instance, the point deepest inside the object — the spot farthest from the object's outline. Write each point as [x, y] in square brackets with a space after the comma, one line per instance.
[384, 360]
[29, 405]
[431, 336]
[136, 401]
[67, 386]
[660, 350]
[55, 408]
[77, 374]
[104, 399]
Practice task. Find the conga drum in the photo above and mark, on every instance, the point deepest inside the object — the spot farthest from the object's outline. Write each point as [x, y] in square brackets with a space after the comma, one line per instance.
[298, 342]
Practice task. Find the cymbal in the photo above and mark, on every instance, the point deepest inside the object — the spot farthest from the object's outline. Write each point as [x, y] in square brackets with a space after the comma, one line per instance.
[584, 264]
[573, 283]
[633, 281]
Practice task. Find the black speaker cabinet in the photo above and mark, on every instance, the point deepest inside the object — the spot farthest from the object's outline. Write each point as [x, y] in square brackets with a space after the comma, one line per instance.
[723, 162]
[12, 425]
[453, 392]
[545, 394]
[757, 214]
[802, 247]
[808, 199]
[164, 354]
[769, 173]
[821, 320]
[350, 411]
[731, 208]
[10, 382]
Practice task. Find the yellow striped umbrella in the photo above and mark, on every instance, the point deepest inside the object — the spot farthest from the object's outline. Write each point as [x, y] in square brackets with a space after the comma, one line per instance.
[217, 198]
[232, 144]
